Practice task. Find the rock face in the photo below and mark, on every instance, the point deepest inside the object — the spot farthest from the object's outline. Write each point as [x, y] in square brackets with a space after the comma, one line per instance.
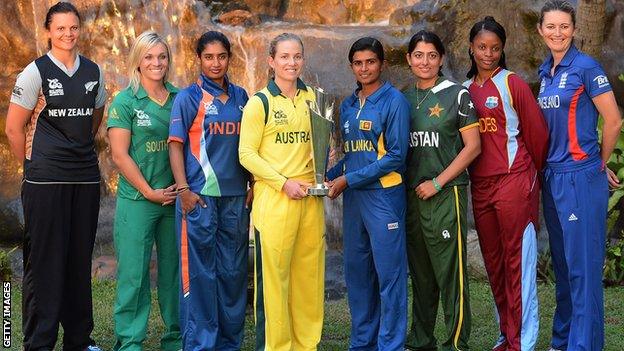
[327, 27]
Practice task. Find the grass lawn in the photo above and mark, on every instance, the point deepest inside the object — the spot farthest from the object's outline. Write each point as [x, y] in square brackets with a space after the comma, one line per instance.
[336, 329]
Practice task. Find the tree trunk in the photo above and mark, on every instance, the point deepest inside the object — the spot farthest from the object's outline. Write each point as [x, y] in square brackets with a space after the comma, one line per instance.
[590, 24]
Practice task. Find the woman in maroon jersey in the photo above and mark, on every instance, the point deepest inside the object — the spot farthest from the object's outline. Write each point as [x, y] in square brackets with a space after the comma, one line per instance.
[505, 183]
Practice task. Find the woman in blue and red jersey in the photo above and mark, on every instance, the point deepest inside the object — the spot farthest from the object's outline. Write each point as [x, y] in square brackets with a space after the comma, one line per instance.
[374, 123]
[505, 183]
[574, 90]
[212, 218]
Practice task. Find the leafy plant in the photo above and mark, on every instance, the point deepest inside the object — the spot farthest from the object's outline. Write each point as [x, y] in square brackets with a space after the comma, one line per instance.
[5, 264]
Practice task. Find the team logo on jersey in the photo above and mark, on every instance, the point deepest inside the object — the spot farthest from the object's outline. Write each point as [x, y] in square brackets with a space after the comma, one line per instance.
[446, 234]
[491, 102]
[563, 80]
[143, 119]
[17, 91]
[394, 225]
[280, 118]
[602, 81]
[90, 85]
[346, 127]
[435, 110]
[366, 125]
[542, 85]
[210, 108]
[56, 88]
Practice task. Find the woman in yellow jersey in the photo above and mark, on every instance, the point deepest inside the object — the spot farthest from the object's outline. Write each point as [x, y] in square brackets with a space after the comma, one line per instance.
[290, 248]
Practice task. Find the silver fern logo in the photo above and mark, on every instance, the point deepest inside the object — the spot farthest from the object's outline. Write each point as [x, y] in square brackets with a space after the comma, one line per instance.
[90, 85]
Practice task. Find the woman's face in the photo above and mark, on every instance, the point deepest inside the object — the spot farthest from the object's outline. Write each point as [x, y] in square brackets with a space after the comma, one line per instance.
[215, 61]
[154, 63]
[64, 31]
[366, 67]
[487, 49]
[288, 61]
[557, 31]
[425, 61]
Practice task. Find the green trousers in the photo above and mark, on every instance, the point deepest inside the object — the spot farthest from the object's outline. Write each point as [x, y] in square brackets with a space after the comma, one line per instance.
[436, 252]
[138, 226]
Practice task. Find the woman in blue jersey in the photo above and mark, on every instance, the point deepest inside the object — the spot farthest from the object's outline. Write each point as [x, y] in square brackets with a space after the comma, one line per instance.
[374, 123]
[138, 127]
[55, 112]
[574, 90]
[212, 218]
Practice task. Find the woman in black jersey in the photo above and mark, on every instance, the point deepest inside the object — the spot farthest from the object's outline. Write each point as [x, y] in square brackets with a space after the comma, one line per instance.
[55, 110]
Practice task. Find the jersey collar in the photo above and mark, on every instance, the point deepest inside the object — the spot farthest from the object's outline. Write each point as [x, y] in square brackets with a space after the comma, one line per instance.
[374, 97]
[142, 94]
[569, 56]
[213, 88]
[275, 90]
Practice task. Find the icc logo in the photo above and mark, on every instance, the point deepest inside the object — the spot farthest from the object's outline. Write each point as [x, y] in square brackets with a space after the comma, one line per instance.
[56, 88]
[446, 234]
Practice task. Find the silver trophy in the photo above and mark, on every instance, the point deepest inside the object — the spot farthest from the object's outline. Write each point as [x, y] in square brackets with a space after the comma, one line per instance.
[322, 123]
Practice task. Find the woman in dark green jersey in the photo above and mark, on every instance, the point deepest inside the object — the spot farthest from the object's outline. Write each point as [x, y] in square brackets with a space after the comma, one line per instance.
[138, 127]
[444, 139]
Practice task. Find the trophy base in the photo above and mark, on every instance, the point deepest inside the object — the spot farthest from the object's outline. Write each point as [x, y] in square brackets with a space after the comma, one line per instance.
[318, 190]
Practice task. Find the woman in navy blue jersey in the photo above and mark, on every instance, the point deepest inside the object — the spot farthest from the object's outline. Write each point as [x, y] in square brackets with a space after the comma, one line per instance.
[54, 114]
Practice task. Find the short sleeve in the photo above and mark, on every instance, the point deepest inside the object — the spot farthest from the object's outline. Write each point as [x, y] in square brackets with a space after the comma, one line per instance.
[100, 99]
[27, 87]
[595, 81]
[466, 113]
[120, 113]
[182, 117]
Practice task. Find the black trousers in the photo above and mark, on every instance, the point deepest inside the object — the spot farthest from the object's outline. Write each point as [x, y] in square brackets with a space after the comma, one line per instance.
[59, 233]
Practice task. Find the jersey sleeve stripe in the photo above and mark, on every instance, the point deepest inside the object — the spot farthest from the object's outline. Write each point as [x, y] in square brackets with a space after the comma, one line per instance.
[470, 126]
[176, 139]
[575, 149]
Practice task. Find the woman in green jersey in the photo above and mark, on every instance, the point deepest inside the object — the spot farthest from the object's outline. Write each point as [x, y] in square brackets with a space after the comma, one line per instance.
[138, 127]
[444, 139]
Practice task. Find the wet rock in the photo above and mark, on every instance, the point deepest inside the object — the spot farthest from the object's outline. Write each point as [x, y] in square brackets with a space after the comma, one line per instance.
[238, 18]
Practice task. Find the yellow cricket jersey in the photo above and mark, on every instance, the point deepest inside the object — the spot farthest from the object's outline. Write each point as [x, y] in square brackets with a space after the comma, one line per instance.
[279, 147]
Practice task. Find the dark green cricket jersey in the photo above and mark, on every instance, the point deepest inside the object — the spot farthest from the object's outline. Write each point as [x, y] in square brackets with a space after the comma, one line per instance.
[437, 117]
[148, 123]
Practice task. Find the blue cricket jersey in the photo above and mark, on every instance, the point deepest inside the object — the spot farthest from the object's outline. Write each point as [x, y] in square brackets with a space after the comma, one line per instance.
[209, 131]
[375, 136]
[566, 101]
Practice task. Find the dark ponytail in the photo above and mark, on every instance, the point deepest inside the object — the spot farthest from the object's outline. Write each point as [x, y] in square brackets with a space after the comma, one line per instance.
[489, 24]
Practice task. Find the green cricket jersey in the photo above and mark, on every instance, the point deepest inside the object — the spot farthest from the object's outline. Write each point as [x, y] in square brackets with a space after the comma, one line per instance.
[148, 123]
[438, 115]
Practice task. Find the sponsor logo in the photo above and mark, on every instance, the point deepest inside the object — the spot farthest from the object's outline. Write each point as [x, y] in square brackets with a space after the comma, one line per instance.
[280, 118]
[572, 218]
[602, 81]
[240, 107]
[346, 127]
[394, 225]
[547, 102]
[563, 80]
[542, 86]
[143, 119]
[292, 137]
[424, 138]
[114, 114]
[210, 108]
[446, 234]
[56, 88]
[366, 125]
[90, 85]
[18, 91]
[491, 102]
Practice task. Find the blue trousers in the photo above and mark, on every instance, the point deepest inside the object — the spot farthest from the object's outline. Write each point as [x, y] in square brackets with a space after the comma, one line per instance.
[375, 260]
[213, 245]
[575, 208]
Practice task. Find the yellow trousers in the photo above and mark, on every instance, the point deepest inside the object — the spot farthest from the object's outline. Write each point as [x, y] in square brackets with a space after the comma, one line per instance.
[289, 270]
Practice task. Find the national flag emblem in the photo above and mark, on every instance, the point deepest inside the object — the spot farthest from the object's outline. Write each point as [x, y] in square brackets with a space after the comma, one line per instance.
[366, 125]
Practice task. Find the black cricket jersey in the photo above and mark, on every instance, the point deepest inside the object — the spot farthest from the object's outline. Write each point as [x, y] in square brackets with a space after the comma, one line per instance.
[59, 143]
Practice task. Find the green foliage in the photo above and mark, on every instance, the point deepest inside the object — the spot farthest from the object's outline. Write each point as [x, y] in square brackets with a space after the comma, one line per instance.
[545, 272]
[614, 263]
[5, 264]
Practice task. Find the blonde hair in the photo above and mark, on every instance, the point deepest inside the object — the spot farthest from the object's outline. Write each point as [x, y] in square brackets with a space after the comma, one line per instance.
[141, 45]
